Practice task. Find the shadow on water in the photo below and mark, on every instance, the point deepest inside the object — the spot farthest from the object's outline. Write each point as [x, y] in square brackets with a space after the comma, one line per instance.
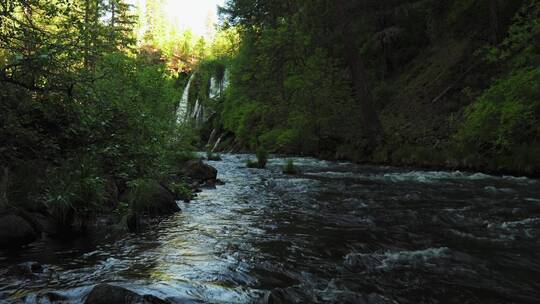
[338, 233]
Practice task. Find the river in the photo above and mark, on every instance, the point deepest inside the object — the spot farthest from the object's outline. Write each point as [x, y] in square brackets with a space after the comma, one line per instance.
[337, 233]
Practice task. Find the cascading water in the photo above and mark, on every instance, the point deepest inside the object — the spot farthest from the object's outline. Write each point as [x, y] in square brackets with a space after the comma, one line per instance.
[216, 145]
[215, 88]
[197, 114]
[197, 111]
[225, 82]
[182, 110]
[336, 233]
[218, 87]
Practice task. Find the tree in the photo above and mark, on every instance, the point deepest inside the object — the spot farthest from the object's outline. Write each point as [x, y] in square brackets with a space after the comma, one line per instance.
[361, 91]
[494, 21]
[121, 25]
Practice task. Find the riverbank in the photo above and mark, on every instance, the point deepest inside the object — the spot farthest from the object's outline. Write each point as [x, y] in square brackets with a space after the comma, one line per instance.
[413, 161]
[131, 209]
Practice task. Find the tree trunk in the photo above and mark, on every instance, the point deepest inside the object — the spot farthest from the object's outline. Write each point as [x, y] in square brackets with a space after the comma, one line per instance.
[4, 179]
[113, 22]
[494, 21]
[86, 33]
[361, 91]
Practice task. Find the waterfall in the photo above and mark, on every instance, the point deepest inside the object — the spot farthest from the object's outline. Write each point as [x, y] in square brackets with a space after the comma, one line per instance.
[195, 109]
[182, 110]
[215, 88]
[225, 82]
[197, 114]
[216, 145]
[211, 138]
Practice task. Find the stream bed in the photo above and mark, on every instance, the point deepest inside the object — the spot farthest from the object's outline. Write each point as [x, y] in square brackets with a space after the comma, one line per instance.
[337, 233]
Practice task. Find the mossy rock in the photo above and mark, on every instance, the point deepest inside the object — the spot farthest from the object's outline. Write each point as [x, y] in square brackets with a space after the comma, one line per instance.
[15, 231]
[150, 197]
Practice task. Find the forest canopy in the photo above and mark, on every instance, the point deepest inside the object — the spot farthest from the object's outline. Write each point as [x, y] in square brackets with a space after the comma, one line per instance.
[432, 83]
[86, 104]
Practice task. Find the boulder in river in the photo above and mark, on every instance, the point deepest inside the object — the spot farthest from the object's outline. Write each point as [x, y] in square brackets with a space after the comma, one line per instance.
[43, 223]
[26, 270]
[199, 171]
[151, 198]
[15, 231]
[109, 294]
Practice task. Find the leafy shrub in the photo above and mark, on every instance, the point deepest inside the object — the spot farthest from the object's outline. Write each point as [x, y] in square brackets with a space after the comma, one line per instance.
[139, 193]
[252, 164]
[522, 35]
[213, 156]
[290, 168]
[182, 191]
[74, 190]
[262, 157]
[505, 116]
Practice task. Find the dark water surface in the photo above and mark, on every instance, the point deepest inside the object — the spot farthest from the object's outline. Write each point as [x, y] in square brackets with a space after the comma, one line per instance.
[338, 233]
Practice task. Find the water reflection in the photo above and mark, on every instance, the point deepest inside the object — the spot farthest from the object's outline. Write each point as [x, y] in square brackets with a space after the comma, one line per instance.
[338, 233]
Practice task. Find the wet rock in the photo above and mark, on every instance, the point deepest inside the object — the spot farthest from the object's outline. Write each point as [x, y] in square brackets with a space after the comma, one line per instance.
[211, 184]
[172, 183]
[214, 157]
[358, 262]
[15, 231]
[154, 300]
[161, 201]
[26, 270]
[199, 171]
[54, 297]
[43, 223]
[156, 200]
[109, 294]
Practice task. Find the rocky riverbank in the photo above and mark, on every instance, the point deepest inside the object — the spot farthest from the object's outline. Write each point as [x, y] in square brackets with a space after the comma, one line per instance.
[126, 210]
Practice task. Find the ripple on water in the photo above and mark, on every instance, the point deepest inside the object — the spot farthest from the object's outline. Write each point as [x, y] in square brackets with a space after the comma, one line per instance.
[338, 233]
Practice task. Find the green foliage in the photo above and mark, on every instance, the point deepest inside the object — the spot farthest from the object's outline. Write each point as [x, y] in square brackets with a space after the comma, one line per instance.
[290, 168]
[504, 119]
[122, 208]
[505, 116]
[81, 108]
[291, 87]
[252, 164]
[522, 37]
[286, 100]
[262, 157]
[139, 194]
[75, 189]
[182, 190]
[213, 156]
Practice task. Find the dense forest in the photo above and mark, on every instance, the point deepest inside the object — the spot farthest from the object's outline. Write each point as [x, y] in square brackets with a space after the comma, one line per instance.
[88, 96]
[432, 83]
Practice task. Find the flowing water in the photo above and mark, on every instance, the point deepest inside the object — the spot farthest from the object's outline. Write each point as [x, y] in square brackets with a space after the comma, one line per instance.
[337, 233]
[182, 110]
